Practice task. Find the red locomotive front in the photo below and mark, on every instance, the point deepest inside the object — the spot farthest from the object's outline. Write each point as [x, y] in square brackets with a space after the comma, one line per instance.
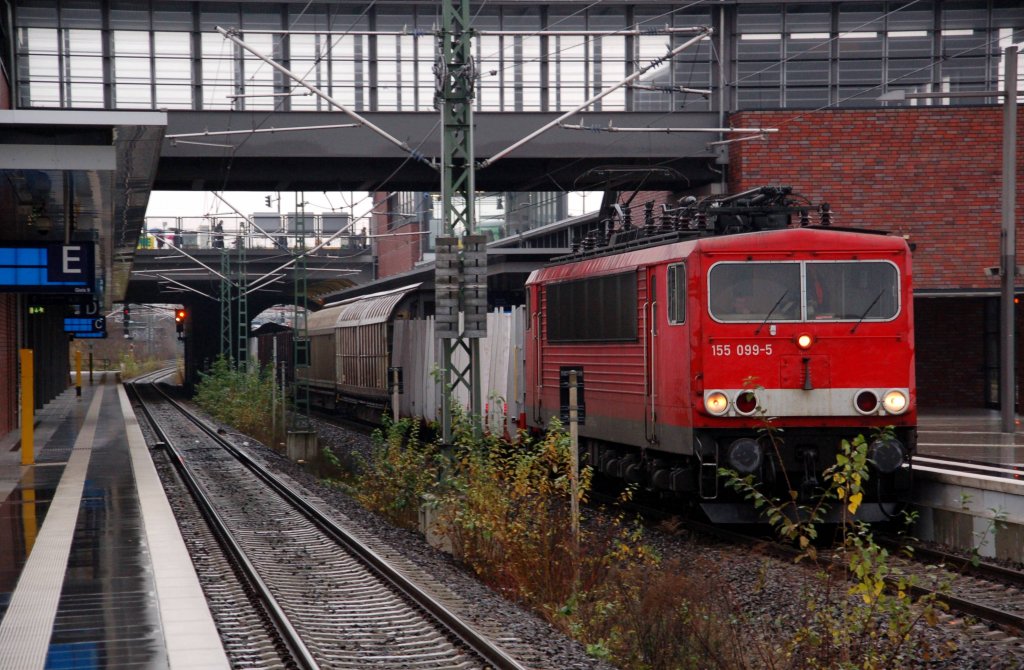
[688, 350]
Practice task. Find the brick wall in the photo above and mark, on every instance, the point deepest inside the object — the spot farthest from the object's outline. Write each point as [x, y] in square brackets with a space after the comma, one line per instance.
[398, 253]
[933, 174]
[394, 252]
[637, 203]
[8, 363]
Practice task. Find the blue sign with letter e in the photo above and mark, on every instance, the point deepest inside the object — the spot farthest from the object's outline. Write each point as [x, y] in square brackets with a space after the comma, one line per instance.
[48, 267]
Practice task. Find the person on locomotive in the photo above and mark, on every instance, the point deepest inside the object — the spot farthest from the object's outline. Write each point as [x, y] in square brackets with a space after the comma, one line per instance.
[746, 292]
[741, 302]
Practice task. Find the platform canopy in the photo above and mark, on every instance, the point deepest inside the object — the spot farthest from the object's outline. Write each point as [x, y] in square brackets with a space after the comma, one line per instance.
[79, 176]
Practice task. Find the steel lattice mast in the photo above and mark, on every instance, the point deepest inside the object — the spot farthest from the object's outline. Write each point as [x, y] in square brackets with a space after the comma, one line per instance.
[225, 305]
[243, 293]
[300, 332]
[461, 269]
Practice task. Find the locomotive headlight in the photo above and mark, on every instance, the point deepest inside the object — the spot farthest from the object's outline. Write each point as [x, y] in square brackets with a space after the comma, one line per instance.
[895, 402]
[887, 454]
[804, 341]
[866, 402]
[745, 455]
[716, 402]
[746, 403]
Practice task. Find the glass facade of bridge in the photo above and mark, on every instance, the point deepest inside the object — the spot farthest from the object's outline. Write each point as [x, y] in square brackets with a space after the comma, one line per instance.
[151, 55]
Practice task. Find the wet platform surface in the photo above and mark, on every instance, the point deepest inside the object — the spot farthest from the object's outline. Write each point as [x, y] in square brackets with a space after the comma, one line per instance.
[972, 435]
[79, 584]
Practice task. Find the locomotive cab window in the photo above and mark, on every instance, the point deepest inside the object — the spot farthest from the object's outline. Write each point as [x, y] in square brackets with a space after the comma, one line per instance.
[676, 293]
[755, 292]
[811, 291]
[850, 291]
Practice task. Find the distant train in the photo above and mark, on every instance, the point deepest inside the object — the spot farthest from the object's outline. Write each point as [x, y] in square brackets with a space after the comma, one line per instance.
[356, 346]
[689, 337]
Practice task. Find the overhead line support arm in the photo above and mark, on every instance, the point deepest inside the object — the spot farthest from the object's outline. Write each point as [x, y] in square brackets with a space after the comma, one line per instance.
[231, 35]
[704, 32]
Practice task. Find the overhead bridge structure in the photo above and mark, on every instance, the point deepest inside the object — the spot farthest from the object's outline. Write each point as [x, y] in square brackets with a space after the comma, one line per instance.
[331, 154]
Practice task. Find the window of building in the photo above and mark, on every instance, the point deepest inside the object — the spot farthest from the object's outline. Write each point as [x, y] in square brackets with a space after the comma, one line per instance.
[796, 54]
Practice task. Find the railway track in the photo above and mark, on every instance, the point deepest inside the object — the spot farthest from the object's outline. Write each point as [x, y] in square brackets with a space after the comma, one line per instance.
[332, 601]
[990, 594]
[993, 595]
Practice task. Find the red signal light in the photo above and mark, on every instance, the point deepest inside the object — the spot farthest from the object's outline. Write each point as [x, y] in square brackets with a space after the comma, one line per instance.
[179, 315]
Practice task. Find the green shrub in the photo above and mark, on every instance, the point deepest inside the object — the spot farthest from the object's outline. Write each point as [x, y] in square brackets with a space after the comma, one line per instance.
[240, 398]
[401, 471]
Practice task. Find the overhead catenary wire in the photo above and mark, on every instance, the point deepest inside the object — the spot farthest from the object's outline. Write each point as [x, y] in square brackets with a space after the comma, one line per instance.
[191, 257]
[702, 32]
[644, 31]
[250, 131]
[231, 35]
[326, 52]
[187, 287]
[593, 128]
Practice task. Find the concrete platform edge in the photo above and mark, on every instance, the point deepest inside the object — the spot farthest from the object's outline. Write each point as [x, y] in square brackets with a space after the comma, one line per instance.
[189, 630]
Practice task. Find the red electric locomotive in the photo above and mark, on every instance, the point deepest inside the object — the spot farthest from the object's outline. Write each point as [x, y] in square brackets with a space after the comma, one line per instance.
[689, 335]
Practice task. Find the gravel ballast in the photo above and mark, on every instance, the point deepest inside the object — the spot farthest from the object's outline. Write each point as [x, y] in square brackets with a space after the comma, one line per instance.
[767, 591]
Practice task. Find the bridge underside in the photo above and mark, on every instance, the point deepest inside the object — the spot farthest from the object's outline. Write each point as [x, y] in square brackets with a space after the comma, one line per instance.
[359, 159]
[165, 277]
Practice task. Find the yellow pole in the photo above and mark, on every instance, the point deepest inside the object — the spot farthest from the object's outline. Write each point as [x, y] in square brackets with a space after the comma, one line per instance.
[78, 372]
[28, 403]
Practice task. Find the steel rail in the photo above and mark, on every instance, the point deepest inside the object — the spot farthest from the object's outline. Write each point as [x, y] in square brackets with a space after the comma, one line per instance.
[984, 612]
[983, 570]
[461, 630]
[296, 647]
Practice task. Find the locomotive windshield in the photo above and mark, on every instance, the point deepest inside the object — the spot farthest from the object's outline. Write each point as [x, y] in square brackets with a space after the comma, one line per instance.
[755, 291]
[811, 291]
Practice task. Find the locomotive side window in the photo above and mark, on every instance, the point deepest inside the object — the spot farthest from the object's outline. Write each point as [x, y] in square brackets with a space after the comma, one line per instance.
[676, 293]
[849, 291]
[596, 309]
[749, 292]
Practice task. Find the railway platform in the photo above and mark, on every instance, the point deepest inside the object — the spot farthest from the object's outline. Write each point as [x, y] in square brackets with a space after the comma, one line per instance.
[971, 434]
[969, 483]
[93, 569]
